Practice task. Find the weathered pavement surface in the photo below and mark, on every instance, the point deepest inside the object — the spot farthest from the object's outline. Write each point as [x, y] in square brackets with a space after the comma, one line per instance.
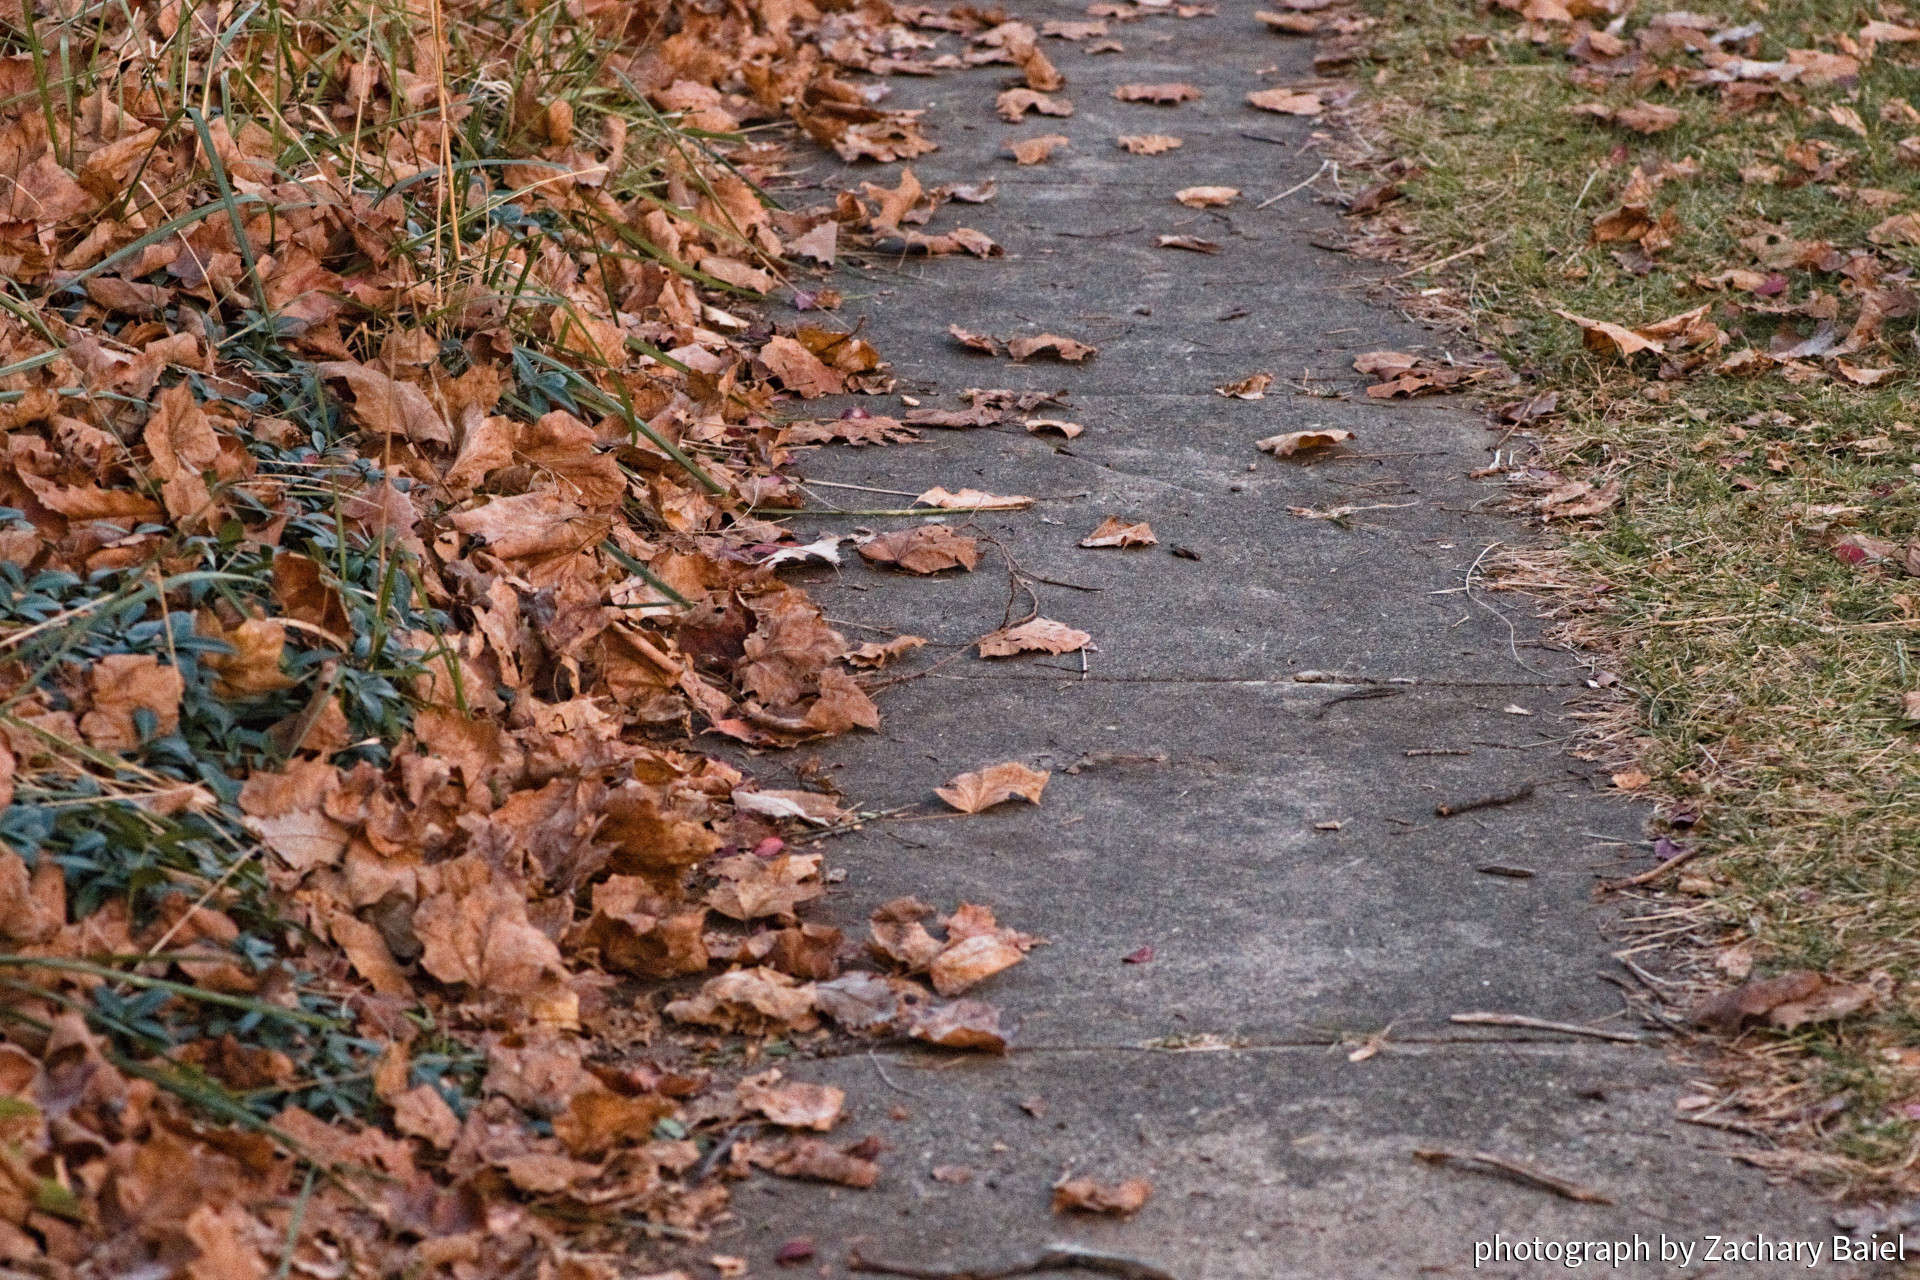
[1271, 1154]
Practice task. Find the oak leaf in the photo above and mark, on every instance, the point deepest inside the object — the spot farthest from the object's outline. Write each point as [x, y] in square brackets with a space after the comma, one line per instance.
[1166, 95]
[1148, 144]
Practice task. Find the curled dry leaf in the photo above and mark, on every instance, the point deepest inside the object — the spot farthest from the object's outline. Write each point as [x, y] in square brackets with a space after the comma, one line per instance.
[1288, 443]
[1060, 425]
[1165, 95]
[973, 792]
[1579, 499]
[1689, 329]
[793, 1104]
[1252, 387]
[1787, 1001]
[1036, 150]
[1206, 197]
[929, 548]
[977, 341]
[971, 1025]
[1646, 117]
[1287, 102]
[1193, 244]
[1115, 532]
[879, 654]
[1085, 1195]
[972, 500]
[749, 1001]
[806, 806]
[1041, 635]
[1062, 348]
[1148, 144]
[813, 1160]
[1014, 104]
[1293, 24]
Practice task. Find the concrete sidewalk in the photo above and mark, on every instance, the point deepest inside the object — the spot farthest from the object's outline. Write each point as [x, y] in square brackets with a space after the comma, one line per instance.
[1193, 825]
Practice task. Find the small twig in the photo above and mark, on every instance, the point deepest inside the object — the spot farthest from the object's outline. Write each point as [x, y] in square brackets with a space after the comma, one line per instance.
[1439, 751]
[1648, 877]
[1450, 809]
[712, 1159]
[1441, 262]
[1513, 645]
[1729, 1126]
[1290, 190]
[1359, 695]
[1481, 1162]
[1543, 1024]
[897, 1088]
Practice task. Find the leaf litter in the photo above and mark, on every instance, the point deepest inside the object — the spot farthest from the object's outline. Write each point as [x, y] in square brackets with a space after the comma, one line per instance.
[363, 609]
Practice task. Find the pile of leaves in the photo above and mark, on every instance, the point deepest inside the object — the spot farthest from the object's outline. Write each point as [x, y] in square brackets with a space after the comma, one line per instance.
[1689, 232]
[389, 451]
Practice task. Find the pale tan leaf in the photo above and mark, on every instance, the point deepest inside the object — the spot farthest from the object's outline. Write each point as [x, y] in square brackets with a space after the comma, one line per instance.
[984, 788]
[1115, 532]
[1042, 635]
[1286, 444]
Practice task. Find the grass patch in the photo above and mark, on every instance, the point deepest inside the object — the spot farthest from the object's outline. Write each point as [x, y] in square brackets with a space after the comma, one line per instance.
[1766, 657]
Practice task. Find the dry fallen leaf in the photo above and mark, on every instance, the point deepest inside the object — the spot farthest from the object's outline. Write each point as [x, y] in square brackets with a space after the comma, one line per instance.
[1287, 102]
[978, 341]
[961, 1024]
[1062, 348]
[1252, 387]
[1206, 197]
[1060, 425]
[1786, 1001]
[1114, 532]
[1036, 150]
[1579, 499]
[1289, 442]
[812, 1159]
[792, 1104]
[1295, 24]
[1193, 243]
[1646, 117]
[972, 500]
[928, 548]
[1148, 144]
[1085, 1195]
[879, 654]
[1166, 95]
[1014, 104]
[972, 792]
[1041, 635]
[1631, 780]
